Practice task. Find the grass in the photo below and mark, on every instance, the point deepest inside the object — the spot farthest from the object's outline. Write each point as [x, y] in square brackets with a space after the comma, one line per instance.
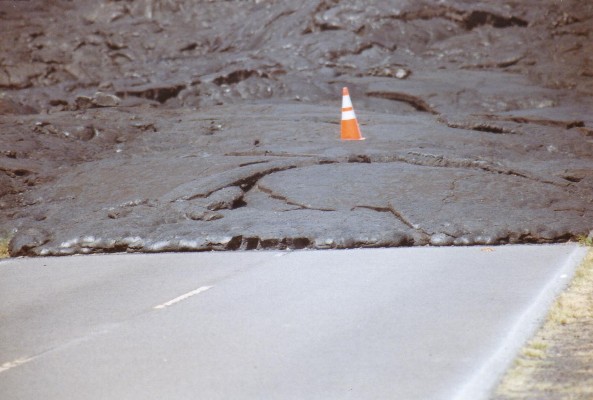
[558, 362]
[4, 247]
[535, 349]
[577, 302]
[585, 240]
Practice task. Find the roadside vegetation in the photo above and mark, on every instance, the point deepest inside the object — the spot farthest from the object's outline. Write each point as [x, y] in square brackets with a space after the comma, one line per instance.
[585, 240]
[4, 246]
[558, 361]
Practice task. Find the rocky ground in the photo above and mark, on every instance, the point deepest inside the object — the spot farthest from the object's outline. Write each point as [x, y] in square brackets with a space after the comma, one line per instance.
[163, 125]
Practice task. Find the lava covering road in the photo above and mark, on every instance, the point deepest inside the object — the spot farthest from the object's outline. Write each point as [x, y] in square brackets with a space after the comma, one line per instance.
[162, 125]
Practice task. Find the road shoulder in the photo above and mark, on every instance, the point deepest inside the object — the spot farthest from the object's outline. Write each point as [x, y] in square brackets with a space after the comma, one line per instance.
[557, 363]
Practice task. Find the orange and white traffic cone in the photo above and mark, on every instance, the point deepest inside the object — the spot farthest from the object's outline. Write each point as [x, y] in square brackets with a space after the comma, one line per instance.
[350, 129]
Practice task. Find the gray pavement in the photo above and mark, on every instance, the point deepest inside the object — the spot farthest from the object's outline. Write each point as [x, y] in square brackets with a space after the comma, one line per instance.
[405, 323]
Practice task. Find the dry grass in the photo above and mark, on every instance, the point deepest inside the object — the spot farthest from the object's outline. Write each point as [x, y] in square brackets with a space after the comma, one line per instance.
[4, 247]
[586, 240]
[558, 362]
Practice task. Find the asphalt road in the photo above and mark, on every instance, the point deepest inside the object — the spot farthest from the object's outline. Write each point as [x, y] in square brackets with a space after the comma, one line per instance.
[405, 323]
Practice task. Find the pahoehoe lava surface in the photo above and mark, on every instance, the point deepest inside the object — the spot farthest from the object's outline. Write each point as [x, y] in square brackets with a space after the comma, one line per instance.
[159, 125]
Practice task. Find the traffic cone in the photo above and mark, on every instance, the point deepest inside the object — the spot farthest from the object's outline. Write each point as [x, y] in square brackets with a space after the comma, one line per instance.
[350, 129]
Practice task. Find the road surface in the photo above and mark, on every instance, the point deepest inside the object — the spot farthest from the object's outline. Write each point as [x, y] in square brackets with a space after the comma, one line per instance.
[405, 323]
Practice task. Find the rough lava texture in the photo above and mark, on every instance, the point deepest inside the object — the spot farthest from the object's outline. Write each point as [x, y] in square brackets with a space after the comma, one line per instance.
[162, 125]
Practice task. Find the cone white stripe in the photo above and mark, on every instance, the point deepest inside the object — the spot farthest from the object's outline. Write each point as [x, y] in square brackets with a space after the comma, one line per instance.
[348, 115]
[346, 102]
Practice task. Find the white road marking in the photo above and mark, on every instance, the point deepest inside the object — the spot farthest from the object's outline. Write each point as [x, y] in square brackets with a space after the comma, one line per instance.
[182, 297]
[13, 364]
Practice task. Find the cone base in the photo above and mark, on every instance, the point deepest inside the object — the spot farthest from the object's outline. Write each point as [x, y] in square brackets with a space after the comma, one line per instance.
[350, 130]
